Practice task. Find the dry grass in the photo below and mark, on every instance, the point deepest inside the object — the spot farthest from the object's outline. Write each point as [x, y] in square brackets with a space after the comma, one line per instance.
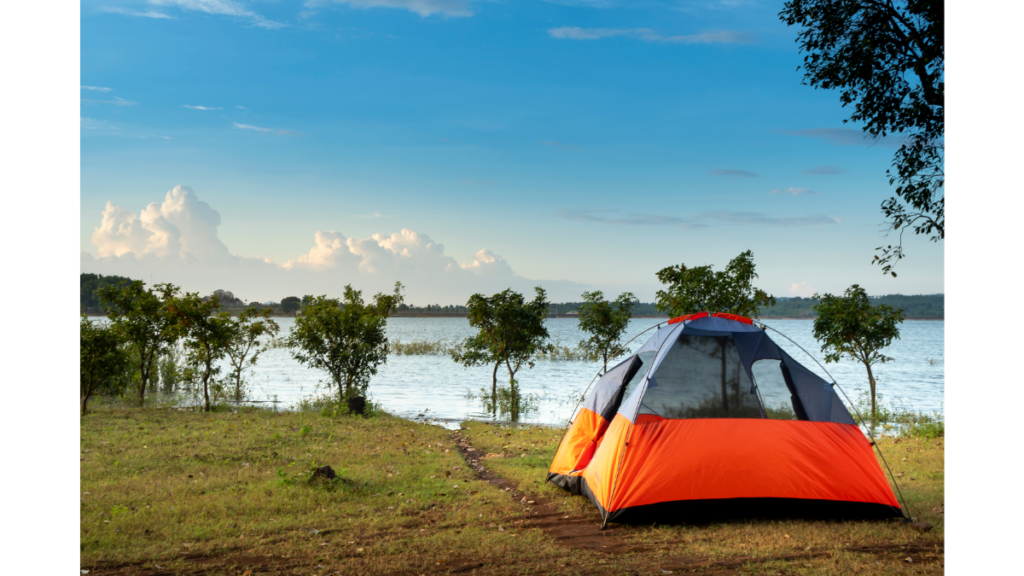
[226, 492]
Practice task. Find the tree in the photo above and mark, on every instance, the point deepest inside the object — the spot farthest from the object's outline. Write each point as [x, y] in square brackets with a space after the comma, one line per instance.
[209, 335]
[346, 338]
[849, 325]
[244, 348]
[103, 360]
[290, 304]
[701, 289]
[887, 58]
[510, 331]
[144, 320]
[606, 322]
[91, 283]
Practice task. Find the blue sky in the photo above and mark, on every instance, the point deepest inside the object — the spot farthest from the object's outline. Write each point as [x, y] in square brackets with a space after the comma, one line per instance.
[580, 144]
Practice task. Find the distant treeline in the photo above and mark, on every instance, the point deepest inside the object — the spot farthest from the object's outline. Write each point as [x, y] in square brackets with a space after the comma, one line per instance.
[927, 306]
[924, 306]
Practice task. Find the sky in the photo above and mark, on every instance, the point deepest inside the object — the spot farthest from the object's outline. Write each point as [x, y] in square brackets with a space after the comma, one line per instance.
[288, 147]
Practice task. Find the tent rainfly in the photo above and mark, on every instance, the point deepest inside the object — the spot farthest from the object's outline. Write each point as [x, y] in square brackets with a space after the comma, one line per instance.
[711, 419]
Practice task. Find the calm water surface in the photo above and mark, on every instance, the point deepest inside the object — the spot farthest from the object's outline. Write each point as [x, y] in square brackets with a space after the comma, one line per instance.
[435, 387]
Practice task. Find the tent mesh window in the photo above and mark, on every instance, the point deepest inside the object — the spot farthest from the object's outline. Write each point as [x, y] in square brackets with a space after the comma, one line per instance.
[771, 385]
[645, 362]
[701, 377]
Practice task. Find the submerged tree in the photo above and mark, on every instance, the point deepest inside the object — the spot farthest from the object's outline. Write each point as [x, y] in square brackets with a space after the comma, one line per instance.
[245, 346]
[208, 333]
[606, 322]
[103, 360]
[849, 325]
[887, 58]
[700, 289]
[345, 338]
[141, 316]
[510, 331]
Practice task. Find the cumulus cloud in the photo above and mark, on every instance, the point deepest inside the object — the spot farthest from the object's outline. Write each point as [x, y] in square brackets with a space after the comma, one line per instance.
[199, 107]
[456, 8]
[700, 220]
[649, 35]
[176, 241]
[824, 170]
[733, 173]
[801, 289]
[181, 227]
[793, 191]
[222, 8]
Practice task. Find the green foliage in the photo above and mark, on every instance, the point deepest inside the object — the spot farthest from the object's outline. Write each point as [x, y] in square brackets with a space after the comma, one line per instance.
[146, 322]
[928, 306]
[887, 59]
[701, 289]
[850, 326]
[510, 331]
[290, 304]
[209, 336]
[90, 285]
[345, 338]
[606, 322]
[103, 360]
[242, 351]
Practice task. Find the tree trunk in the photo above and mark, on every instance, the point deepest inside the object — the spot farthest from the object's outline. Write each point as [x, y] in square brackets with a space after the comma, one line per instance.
[143, 378]
[871, 383]
[494, 388]
[605, 369]
[206, 381]
[85, 398]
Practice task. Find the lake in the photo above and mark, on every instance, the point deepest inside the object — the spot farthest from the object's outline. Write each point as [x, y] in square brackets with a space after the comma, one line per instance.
[435, 387]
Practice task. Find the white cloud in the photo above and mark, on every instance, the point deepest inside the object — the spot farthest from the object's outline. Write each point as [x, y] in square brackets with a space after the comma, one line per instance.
[176, 241]
[96, 88]
[457, 8]
[649, 35]
[220, 7]
[801, 289]
[116, 101]
[793, 191]
[141, 14]
[92, 123]
[262, 129]
[199, 107]
[372, 216]
[181, 227]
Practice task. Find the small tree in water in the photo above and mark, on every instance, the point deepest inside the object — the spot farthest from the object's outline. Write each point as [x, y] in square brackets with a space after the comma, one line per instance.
[141, 316]
[510, 331]
[346, 338]
[849, 325]
[209, 336]
[244, 348]
[700, 289]
[606, 322]
[103, 360]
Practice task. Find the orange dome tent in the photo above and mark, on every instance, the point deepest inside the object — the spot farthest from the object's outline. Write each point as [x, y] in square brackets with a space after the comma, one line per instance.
[710, 418]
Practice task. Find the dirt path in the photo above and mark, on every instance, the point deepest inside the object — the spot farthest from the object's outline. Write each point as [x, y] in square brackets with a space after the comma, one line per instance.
[570, 530]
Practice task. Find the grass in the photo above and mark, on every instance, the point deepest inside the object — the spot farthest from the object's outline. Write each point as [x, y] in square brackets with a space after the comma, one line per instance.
[226, 492]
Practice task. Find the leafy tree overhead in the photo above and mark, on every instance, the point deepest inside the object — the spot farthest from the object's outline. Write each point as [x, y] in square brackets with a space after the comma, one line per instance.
[701, 289]
[850, 326]
[510, 331]
[245, 347]
[103, 360]
[290, 304]
[209, 334]
[345, 338]
[144, 320]
[887, 59]
[606, 322]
